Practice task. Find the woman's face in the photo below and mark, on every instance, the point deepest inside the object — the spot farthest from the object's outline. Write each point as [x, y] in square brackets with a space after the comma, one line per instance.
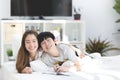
[31, 43]
[47, 45]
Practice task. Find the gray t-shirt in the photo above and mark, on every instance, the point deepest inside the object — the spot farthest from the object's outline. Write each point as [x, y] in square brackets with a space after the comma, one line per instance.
[66, 54]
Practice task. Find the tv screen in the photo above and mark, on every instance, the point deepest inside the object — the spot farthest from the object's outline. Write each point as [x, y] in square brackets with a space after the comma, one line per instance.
[41, 7]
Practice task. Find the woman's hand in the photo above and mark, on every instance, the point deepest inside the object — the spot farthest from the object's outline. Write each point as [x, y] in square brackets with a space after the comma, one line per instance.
[27, 70]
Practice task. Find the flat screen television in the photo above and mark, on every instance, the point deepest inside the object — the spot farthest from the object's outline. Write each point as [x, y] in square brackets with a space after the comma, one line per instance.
[51, 8]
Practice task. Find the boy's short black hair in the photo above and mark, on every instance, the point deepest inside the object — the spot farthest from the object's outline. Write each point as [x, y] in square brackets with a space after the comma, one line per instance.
[44, 35]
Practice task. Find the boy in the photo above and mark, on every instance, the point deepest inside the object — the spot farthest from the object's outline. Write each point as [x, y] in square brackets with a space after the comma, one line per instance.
[57, 55]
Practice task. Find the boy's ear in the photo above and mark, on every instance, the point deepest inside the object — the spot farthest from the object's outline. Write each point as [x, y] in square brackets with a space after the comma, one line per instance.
[42, 50]
[55, 40]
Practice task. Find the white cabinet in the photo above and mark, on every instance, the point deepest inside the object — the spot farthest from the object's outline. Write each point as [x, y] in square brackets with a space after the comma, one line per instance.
[67, 31]
[9, 29]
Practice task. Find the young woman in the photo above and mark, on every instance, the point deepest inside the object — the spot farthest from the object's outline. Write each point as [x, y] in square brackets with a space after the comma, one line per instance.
[27, 52]
[55, 55]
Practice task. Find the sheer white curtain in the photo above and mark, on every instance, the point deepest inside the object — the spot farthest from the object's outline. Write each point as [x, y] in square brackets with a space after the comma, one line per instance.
[16, 42]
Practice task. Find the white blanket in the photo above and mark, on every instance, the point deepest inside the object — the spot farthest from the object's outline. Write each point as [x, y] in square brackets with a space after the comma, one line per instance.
[104, 68]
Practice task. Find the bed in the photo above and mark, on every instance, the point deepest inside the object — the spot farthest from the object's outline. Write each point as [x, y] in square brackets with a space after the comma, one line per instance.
[102, 68]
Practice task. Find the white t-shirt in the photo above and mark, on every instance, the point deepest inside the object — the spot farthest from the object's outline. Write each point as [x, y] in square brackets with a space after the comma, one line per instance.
[66, 54]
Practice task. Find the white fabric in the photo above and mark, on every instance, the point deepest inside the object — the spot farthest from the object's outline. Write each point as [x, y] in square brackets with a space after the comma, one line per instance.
[106, 68]
[39, 66]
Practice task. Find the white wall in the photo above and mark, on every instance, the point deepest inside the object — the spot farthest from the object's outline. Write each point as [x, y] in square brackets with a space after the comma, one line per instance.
[100, 18]
[4, 9]
[0, 47]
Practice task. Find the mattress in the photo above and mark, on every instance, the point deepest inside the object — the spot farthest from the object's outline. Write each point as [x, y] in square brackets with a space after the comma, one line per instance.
[104, 68]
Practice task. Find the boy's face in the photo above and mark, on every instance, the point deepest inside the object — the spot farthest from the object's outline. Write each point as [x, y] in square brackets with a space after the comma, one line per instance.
[47, 45]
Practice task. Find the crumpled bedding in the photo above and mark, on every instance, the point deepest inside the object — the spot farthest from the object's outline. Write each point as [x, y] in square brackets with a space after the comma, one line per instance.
[102, 68]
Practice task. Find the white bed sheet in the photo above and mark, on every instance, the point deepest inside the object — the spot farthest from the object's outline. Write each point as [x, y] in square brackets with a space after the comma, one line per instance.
[105, 68]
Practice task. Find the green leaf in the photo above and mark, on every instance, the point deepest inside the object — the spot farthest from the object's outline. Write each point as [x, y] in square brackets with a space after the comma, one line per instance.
[9, 52]
[117, 8]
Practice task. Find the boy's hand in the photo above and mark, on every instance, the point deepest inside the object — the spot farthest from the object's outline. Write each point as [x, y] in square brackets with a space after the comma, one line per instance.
[59, 69]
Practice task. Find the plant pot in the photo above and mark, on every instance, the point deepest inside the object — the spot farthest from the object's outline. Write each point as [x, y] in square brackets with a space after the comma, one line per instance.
[77, 16]
[11, 58]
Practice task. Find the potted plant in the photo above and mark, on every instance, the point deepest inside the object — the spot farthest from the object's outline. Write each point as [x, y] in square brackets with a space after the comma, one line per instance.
[117, 9]
[10, 54]
[77, 14]
[100, 46]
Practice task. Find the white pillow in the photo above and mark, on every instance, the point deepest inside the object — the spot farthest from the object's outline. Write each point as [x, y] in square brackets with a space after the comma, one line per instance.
[38, 65]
